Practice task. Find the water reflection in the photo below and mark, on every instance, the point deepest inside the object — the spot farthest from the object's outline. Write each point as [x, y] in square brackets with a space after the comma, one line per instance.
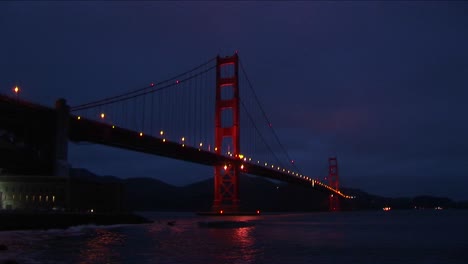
[235, 245]
[187, 242]
[248, 250]
[101, 247]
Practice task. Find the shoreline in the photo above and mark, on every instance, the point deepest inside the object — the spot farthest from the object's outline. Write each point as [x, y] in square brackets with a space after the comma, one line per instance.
[10, 221]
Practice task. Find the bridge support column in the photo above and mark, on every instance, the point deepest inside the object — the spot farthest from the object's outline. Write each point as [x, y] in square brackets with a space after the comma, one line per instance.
[226, 176]
[61, 166]
[334, 202]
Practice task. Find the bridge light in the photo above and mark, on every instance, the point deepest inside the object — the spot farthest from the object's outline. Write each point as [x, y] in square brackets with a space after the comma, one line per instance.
[177, 82]
[241, 156]
[266, 164]
[16, 90]
[201, 144]
[225, 167]
[141, 134]
[103, 115]
[113, 126]
[258, 211]
[242, 167]
[250, 159]
[151, 84]
[161, 132]
[216, 148]
[164, 140]
[292, 161]
[79, 117]
[221, 212]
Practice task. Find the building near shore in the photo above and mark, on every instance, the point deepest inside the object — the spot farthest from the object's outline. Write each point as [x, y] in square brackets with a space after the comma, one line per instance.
[52, 193]
[34, 168]
[32, 192]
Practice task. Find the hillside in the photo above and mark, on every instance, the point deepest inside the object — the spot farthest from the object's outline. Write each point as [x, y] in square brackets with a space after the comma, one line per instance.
[148, 194]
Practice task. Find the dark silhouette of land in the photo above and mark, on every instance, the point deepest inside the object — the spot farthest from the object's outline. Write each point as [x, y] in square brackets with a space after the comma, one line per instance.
[149, 194]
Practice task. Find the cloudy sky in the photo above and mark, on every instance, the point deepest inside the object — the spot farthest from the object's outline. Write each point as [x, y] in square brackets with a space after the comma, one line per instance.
[382, 85]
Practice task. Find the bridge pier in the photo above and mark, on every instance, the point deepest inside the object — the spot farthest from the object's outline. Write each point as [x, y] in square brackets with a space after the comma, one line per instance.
[226, 193]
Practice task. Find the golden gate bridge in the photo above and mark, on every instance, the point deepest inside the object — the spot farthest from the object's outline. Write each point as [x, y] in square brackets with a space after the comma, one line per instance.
[174, 118]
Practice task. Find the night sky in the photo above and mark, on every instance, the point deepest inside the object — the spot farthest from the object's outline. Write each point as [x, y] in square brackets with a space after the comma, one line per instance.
[382, 85]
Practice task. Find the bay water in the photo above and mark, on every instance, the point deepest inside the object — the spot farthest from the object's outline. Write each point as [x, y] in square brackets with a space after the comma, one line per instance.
[419, 236]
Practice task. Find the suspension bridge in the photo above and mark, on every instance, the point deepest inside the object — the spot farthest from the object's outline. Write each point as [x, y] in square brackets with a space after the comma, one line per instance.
[174, 118]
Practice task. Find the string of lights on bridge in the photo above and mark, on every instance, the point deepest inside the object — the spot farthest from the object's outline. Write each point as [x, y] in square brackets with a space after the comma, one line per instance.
[248, 160]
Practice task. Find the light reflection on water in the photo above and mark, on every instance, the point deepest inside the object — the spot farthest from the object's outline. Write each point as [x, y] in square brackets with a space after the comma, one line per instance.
[173, 244]
[100, 248]
[406, 237]
[236, 245]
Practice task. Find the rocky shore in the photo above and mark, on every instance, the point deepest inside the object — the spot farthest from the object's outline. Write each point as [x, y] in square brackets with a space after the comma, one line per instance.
[62, 220]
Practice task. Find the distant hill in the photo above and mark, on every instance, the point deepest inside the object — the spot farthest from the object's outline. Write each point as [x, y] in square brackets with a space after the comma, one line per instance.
[145, 194]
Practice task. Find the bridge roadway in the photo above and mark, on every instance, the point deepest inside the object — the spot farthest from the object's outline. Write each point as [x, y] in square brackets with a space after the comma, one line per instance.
[16, 113]
[97, 132]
